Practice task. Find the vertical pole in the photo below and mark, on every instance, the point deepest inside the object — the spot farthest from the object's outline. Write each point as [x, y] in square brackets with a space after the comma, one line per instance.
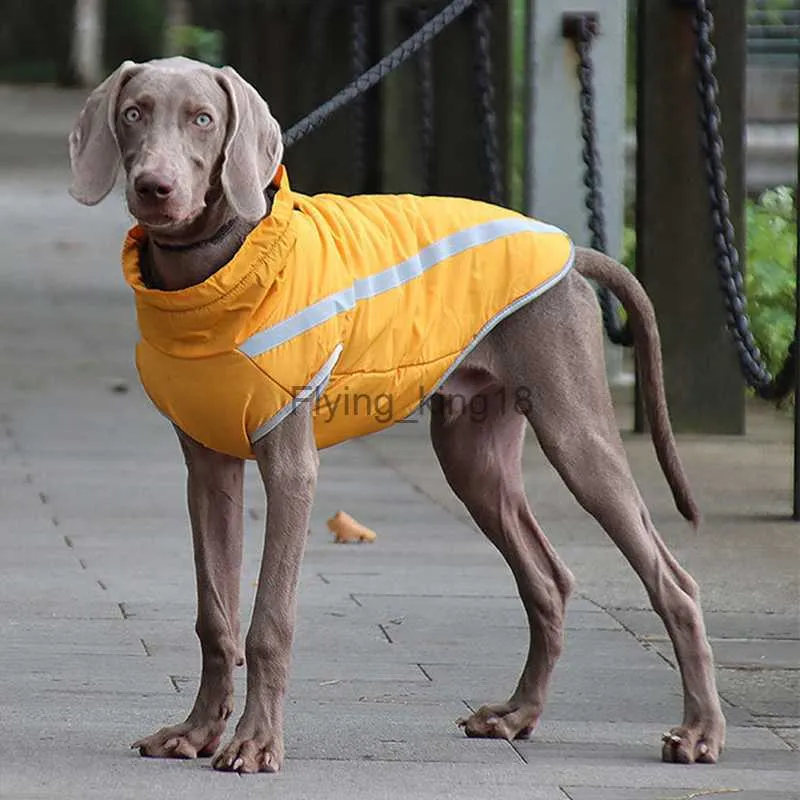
[553, 187]
[675, 255]
[553, 172]
[87, 42]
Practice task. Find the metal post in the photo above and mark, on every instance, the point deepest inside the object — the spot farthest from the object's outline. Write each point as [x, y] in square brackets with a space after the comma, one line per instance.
[675, 256]
[553, 167]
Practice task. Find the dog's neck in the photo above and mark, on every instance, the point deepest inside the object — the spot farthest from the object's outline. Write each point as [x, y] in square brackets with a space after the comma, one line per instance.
[178, 261]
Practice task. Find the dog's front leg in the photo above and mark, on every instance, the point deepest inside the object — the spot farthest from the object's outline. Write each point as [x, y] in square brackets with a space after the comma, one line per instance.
[288, 461]
[214, 493]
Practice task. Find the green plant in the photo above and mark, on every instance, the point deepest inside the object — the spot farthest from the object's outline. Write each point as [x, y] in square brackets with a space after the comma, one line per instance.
[516, 149]
[196, 42]
[628, 250]
[774, 8]
[770, 274]
[770, 270]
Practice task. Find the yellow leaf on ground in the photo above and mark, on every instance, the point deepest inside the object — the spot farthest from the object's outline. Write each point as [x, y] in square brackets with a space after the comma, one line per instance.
[346, 529]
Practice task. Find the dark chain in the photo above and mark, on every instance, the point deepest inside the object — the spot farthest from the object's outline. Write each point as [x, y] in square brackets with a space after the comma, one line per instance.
[582, 29]
[754, 370]
[359, 58]
[486, 98]
[371, 77]
[427, 103]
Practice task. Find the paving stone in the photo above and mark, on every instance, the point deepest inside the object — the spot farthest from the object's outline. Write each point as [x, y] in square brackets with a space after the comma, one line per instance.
[386, 732]
[57, 605]
[91, 639]
[617, 793]
[410, 615]
[633, 767]
[316, 668]
[789, 735]
[758, 654]
[753, 759]
[752, 655]
[778, 721]
[363, 688]
[557, 731]
[719, 624]
[129, 679]
[132, 779]
[770, 693]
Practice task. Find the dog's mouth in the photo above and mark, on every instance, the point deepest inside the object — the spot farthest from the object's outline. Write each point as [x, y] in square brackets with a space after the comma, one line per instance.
[157, 222]
[162, 222]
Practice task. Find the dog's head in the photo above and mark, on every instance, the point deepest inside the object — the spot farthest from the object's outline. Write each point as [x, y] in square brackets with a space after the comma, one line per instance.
[184, 133]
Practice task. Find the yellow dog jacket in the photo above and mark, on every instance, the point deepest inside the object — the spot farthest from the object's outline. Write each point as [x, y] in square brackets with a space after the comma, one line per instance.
[362, 306]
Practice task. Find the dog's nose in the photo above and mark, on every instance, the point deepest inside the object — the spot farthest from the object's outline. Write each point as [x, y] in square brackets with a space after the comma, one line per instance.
[151, 186]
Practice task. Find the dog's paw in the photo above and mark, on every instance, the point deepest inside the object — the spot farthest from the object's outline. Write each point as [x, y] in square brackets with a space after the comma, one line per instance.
[504, 721]
[690, 744]
[259, 752]
[187, 740]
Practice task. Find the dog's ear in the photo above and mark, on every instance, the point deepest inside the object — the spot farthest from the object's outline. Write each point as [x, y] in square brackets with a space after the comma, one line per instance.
[253, 147]
[93, 148]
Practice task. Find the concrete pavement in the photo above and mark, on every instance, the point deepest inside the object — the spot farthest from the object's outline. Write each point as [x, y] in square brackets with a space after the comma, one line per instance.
[396, 639]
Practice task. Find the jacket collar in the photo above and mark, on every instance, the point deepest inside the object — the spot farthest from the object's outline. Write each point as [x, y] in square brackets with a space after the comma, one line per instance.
[262, 251]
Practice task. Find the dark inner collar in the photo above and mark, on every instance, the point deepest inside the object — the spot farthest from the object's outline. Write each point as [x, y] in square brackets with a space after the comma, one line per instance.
[269, 193]
[184, 248]
[148, 273]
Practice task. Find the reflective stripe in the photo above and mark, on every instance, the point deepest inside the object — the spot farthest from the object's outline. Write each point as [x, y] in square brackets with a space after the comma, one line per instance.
[388, 279]
[299, 323]
[315, 387]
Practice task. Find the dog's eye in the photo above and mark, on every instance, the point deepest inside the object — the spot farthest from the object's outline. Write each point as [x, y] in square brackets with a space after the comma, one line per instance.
[203, 120]
[131, 114]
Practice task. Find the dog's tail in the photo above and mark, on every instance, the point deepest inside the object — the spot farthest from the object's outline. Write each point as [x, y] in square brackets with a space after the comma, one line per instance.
[635, 301]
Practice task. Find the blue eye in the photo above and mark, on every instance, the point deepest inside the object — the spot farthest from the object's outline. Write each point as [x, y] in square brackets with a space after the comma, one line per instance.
[203, 120]
[131, 114]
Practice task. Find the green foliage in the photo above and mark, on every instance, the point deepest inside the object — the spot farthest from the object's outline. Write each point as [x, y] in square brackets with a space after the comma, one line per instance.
[773, 8]
[770, 272]
[199, 43]
[628, 253]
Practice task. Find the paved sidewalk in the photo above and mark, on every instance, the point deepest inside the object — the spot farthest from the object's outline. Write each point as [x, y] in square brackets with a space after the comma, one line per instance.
[397, 639]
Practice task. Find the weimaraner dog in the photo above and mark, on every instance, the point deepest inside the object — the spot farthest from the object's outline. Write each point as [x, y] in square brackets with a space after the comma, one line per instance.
[198, 147]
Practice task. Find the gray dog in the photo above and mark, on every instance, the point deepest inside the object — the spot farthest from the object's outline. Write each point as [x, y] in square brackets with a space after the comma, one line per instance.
[201, 152]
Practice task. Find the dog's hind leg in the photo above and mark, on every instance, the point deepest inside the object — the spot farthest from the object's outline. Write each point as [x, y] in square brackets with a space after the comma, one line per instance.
[481, 456]
[555, 351]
